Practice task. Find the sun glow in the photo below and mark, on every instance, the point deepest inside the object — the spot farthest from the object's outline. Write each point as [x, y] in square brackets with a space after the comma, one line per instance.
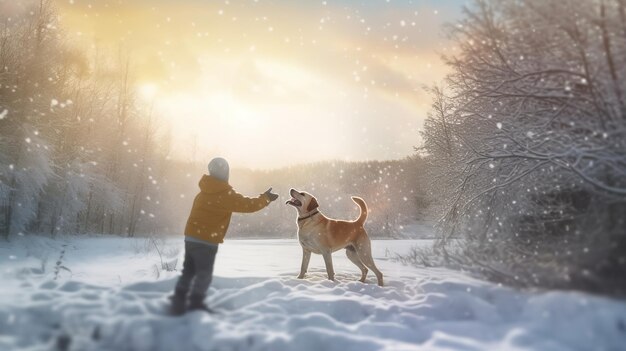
[354, 91]
[148, 91]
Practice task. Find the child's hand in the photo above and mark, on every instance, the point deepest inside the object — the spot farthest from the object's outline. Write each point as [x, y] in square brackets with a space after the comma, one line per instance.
[271, 195]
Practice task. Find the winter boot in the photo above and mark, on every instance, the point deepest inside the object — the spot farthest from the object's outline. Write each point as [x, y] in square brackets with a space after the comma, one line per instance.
[178, 301]
[196, 303]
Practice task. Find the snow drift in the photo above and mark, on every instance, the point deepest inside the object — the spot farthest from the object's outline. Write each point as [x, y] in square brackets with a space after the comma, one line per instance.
[261, 306]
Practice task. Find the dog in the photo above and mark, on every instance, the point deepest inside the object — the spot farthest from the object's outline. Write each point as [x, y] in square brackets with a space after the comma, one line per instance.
[323, 236]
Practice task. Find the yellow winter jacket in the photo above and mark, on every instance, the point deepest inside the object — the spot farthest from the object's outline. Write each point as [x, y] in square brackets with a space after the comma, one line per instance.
[213, 207]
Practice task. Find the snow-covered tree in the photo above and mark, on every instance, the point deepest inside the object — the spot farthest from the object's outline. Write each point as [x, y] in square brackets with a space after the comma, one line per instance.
[75, 143]
[529, 140]
[27, 48]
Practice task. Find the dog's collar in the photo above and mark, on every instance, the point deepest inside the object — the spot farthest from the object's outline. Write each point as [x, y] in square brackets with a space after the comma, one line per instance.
[308, 216]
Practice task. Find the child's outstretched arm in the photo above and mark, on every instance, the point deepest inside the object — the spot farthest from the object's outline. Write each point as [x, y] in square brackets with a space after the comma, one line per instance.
[236, 202]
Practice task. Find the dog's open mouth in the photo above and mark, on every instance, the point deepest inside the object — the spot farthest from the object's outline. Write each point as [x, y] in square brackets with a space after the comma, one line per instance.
[294, 202]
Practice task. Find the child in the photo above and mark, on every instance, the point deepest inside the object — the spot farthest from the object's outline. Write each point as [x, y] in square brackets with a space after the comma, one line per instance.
[205, 230]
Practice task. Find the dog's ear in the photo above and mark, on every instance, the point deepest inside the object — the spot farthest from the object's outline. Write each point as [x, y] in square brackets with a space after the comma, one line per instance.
[312, 205]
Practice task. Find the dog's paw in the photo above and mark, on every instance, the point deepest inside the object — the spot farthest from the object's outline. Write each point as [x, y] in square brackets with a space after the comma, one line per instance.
[301, 276]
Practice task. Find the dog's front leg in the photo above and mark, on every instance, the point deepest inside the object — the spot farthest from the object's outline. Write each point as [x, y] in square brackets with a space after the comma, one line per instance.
[306, 256]
[328, 260]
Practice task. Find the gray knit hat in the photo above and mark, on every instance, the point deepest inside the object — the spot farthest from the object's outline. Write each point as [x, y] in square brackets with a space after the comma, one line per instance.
[218, 168]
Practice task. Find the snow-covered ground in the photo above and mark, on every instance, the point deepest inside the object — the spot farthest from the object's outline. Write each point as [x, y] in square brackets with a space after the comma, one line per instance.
[111, 295]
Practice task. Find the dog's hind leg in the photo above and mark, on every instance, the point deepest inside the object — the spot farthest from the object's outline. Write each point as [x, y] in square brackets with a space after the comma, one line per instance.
[306, 256]
[364, 251]
[352, 255]
[328, 260]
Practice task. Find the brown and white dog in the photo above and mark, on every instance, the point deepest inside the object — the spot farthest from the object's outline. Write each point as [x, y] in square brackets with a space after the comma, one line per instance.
[323, 236]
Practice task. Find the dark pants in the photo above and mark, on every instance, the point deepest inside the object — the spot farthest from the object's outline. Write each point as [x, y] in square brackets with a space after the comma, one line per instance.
[197, 268]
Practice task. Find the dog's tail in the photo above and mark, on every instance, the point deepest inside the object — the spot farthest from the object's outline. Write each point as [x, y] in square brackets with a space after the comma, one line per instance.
[363, 206]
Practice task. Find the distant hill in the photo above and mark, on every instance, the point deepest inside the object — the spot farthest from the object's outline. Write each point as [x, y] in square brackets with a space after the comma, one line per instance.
[392, 190]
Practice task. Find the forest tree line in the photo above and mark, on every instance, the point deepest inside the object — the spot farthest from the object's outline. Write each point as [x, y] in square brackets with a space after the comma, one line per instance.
[78, 151]
[526, 143]
[393, 190]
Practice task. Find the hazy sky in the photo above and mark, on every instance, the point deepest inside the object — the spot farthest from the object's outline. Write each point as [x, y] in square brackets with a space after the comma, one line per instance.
[269, 83]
